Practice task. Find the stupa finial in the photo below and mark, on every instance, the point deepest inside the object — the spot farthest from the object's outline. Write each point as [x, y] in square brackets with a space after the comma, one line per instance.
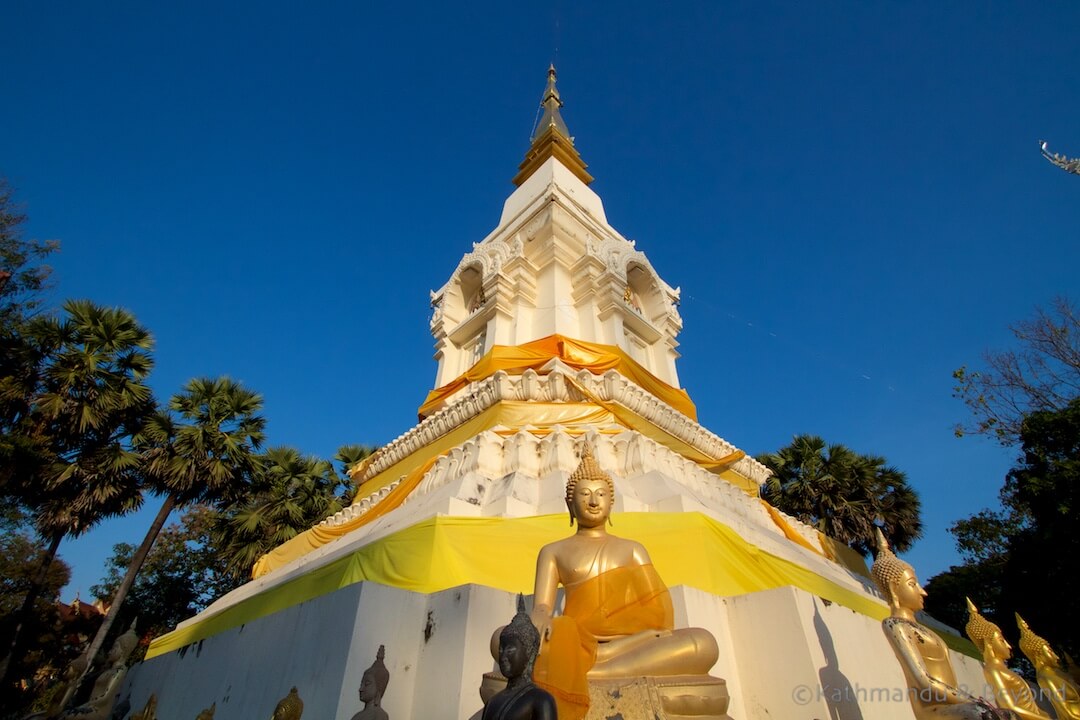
[551, 138]
[551, 103]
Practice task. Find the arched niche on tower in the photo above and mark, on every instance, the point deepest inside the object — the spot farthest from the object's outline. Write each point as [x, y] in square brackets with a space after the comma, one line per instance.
[465, 313]
[644, 294]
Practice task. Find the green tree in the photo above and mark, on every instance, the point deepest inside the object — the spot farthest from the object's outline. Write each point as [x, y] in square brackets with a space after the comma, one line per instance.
[21, 276]
[1043, 373]
[291, 494]
[73, 416]
[1026, 556]
[46, 651]
[183, 573]
[842, 493]
[203, 449]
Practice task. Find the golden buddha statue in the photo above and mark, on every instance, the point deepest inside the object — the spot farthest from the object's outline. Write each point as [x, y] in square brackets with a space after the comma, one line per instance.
[1054, 681]
[290, 707]
[923, 656]
[208, 713]
[1010, 690]
[617, 620]
[372, 686]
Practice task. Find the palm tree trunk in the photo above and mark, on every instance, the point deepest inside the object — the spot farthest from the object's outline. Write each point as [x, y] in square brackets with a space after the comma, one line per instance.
[14, 652]
[122, 591]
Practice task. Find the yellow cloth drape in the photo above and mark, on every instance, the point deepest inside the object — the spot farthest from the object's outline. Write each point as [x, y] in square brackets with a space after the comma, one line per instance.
[413, 467]
[835, 551]
[443, 552]
[596, 358]
[512, 415]
[622, 601]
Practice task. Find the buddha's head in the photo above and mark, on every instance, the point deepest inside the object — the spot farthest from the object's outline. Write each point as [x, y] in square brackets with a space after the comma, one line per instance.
[1037, 650]
[986, 635]
[123, 647]
[896, 579]
[518, 644]
[374, 680]
[589, 492]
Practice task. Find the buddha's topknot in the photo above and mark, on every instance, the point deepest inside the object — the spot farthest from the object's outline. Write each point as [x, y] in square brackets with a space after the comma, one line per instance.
[887, 569]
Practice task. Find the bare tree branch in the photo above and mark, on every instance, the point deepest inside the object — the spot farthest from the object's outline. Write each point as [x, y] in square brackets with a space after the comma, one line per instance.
[1042, 374]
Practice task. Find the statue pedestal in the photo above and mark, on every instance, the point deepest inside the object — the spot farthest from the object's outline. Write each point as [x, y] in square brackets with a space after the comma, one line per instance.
[677, 697]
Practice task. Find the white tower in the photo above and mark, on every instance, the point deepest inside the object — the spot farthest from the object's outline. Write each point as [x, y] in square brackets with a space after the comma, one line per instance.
[553, 331]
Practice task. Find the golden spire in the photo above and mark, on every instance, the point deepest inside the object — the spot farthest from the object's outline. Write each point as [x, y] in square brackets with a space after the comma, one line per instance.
[552, 139]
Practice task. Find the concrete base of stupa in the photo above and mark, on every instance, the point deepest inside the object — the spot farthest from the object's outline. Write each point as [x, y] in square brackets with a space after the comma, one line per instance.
[784, 653]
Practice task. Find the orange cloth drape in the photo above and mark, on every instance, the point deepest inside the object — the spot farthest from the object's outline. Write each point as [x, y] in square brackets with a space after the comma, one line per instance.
[619, 602]
[594, 357]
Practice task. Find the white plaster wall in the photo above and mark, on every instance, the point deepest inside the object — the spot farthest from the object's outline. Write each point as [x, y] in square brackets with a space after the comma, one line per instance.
[436, 652]
[801, 657]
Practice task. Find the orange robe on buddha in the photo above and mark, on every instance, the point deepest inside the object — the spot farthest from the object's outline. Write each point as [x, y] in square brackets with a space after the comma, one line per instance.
[622, 601]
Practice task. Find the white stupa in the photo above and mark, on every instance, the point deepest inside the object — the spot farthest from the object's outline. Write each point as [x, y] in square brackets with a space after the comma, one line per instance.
[551, 332]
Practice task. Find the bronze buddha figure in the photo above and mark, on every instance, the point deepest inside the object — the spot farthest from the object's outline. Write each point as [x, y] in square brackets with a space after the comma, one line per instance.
[372, 686]
[521, 699]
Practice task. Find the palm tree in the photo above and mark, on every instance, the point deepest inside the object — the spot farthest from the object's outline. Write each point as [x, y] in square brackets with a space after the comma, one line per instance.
[71, 408]
[292, 493]
[203, 449]
[842, 493]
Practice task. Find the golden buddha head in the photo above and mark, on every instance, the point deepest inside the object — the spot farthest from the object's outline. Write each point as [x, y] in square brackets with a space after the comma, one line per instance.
[895, 578]
[985, 634]
[375, 679]
[590, 492]
[519, 642]
[1037, 650]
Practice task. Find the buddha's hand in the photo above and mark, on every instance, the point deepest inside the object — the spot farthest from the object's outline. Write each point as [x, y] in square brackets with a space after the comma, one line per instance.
[541, 618]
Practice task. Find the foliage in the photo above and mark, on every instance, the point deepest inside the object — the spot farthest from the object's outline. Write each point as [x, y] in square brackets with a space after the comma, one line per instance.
[82, 396]
[842, 493]
[1044, 374]
[203, 449]
[204, 453]
[21, 277]
[292, 493]
[47, 647]
[1026, 557]
[182, 574]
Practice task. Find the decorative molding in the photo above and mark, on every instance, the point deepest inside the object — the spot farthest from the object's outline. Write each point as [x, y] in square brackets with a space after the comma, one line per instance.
[552, 386]
[629, 456]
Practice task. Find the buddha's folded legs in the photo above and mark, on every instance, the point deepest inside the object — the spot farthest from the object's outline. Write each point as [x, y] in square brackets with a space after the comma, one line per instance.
[686, 651]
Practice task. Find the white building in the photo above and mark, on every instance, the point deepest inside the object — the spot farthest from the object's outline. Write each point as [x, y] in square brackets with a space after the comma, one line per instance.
[552, 331]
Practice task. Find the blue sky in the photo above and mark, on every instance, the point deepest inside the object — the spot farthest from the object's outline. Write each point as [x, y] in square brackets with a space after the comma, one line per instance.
[850, 196]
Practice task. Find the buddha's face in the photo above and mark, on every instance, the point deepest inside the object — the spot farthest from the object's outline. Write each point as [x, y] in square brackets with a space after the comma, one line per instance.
[368, 690]
[1046, 656]
[999, 646]
[513, 657]
[591, 503]
[907, 593]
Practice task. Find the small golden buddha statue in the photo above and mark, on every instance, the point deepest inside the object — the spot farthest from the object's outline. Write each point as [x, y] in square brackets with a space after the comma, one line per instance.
[1054, 681]
[923, 656]
[208, 713]
[1010, 690]
[290, 707]
[372, 687]
[521, 699]
[595, 638]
